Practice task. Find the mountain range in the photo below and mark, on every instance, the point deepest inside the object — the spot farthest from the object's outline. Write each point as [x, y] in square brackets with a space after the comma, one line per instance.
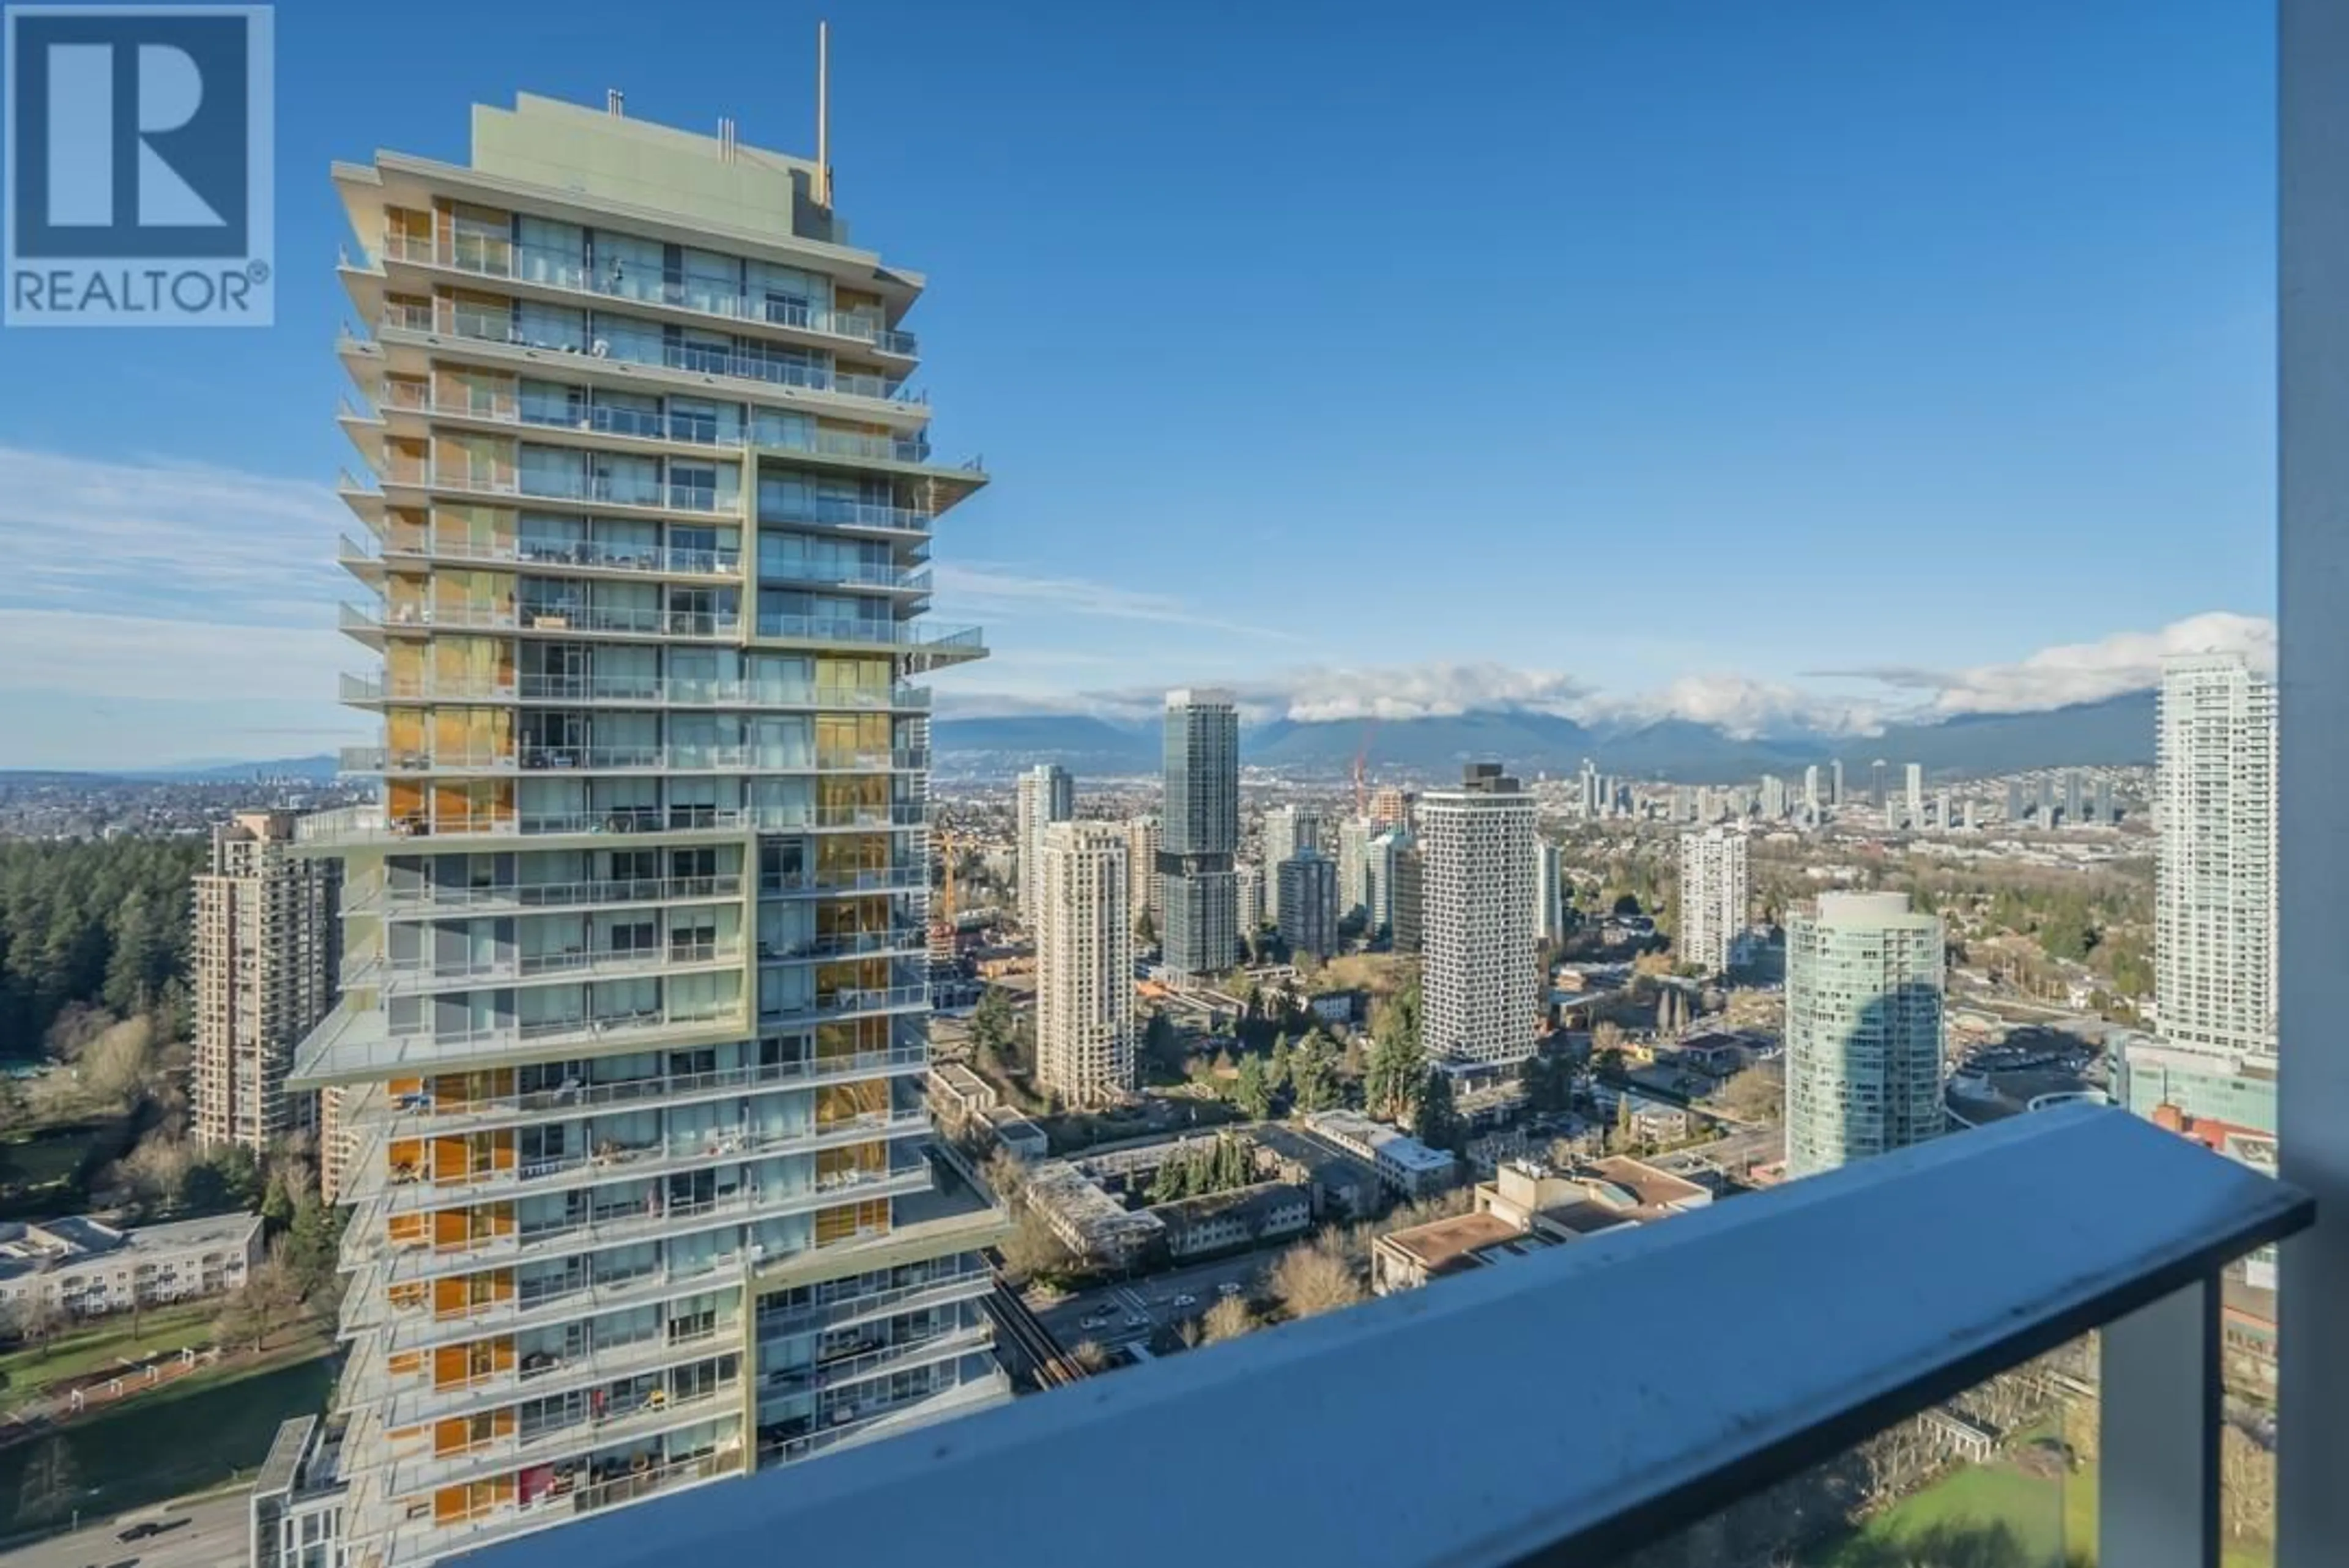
[2116, 732]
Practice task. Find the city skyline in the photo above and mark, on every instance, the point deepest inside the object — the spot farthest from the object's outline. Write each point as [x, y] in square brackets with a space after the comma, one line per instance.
[108, 661]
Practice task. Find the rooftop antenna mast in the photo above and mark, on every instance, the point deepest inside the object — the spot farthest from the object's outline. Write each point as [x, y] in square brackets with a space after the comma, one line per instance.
[824, 114]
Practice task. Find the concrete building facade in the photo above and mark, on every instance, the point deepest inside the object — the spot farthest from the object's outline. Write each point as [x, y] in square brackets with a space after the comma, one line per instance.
[1864, 1029]
[1713, 897]
[2215, 873]
[1481, 973]
[264, 969]
[1084, 963]
[1042, 796]
[1286, 831]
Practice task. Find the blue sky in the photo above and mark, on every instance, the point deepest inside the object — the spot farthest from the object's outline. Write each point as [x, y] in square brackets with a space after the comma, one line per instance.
[1618, 356]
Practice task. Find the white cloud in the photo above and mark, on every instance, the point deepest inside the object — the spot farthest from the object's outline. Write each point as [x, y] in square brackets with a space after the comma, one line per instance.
[1316, 694]
[2080, 671]
[1744, 708]
[88, 654]
[984, 590]
[182, 540]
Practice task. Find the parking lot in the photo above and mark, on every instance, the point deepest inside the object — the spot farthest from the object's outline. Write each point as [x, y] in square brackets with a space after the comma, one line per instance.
[1136, 1310]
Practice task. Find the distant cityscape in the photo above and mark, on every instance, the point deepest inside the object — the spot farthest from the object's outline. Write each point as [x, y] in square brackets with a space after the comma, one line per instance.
[647, 1062]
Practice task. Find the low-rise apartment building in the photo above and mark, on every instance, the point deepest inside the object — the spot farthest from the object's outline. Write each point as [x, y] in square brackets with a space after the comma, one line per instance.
[1527, 1207]
[1402, 1161]
[86, 1268]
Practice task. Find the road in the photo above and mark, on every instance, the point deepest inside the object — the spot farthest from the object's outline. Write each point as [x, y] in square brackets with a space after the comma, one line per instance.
[1152, 1299]
[215, 1537]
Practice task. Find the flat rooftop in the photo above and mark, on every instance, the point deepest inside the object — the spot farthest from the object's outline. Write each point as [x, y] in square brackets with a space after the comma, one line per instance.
[1444, 1246]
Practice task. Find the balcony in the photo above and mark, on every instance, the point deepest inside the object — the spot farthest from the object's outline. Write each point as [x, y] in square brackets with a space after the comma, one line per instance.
[848, 575]
[431, 900]
[546, 1375]
[953, 646]
[1865, 1298]
[664, 759]
[420, 1327]
[647, 1415]
[848, 1004]
[689, 365]
[609, 1161]
[603, 491]
[635, 691]
[847, 1369]
[671, 1088]
[851, 1423]
[618, 1228]
[864, 517]
[412, 1545]
[357, 826]
[416, 976]
[962, 1283]
[355, 1043]
[541, 268]
[697, 431]
[834, 885]
[563, 557]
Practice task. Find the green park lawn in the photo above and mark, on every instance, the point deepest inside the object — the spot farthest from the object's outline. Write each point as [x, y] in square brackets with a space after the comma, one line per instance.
[2046, 1516]
[23, 1372]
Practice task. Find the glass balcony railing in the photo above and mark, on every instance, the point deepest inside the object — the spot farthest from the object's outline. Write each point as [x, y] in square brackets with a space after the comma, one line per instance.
[649, 494]
[831, 512]
[433, 899]
[533, 758]
[667, 1089]
[401, 976]
[1875, 1296]
[876, 632]
[844, 574]
[551, 269]
[763, 434]
[627, 621]
[485, 325]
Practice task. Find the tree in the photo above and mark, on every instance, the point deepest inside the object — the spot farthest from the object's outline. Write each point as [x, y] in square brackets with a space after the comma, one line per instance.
[1252, 1091]
[1229, 1319]
[269, 1297]
[1145, 930]
[1033, 1251]
[33, 1320]
[1547, 1081]
[1756, 1094]
[1390, 1082]
[1313, 1075]
[52, 1480]
[990, 1021]
[1278, 1068]
[1161, 1046]
[1628, 904]
[1435, 1120]
[1312, 1278]
[1090, 1355]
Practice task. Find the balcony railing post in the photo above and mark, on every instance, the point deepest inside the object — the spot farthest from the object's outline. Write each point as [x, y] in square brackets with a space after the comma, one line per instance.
[2160, 1400]
[2313, 748]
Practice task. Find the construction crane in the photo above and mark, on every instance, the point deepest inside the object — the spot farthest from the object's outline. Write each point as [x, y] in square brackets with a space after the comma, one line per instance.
[1362, 765]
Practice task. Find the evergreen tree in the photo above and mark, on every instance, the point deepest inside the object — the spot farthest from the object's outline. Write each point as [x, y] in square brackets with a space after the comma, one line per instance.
[1435, 1120]
[1253, 1091]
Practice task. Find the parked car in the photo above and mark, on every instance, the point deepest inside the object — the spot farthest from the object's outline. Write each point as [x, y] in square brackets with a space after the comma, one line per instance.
[1187, 1300]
